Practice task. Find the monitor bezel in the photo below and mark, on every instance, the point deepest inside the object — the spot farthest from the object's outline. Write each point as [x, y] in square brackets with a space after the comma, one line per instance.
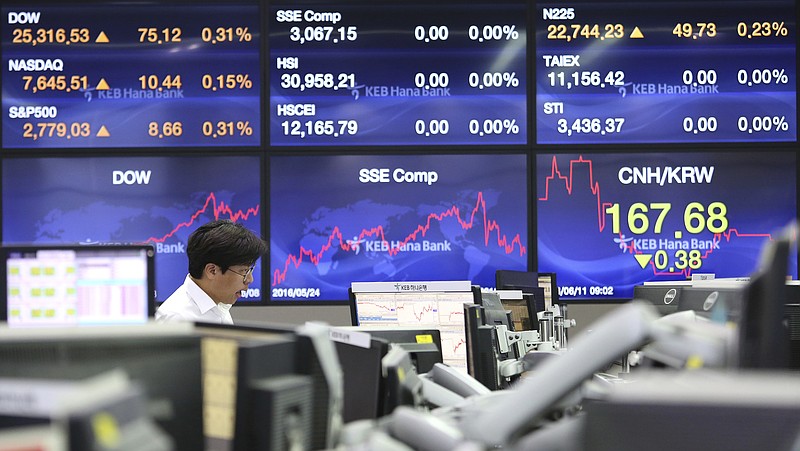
[8, 249]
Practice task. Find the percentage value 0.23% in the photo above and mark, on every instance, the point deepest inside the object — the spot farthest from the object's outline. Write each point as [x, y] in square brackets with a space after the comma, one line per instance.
[226, 81]
[762, 29]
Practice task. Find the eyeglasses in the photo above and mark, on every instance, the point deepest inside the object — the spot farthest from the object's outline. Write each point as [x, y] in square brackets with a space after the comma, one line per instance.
[247, 272]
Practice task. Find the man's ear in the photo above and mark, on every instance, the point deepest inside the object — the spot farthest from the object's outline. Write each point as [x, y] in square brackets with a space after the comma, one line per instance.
[211, 270]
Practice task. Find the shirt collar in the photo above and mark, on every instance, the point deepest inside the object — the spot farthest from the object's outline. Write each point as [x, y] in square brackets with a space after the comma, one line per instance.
[198, 296]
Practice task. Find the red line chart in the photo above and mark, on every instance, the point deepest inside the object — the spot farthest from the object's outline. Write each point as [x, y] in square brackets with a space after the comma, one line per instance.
[218, 208]
[568, 181]
[478, 215]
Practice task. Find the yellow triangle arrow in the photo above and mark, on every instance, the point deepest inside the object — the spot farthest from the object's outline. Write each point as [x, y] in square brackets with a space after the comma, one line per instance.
[643, 259]
[102, 38]
[103, 133]
[102, 85]
[636, 33]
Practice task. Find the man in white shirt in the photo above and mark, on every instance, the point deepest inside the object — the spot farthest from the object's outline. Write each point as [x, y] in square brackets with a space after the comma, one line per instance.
[222, 255]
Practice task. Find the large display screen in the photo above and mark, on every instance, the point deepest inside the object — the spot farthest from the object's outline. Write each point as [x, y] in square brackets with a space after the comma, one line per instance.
[105, 75]
[402, 73]
[158, 200]
[666, 71]
[340, 219]
[607, 222]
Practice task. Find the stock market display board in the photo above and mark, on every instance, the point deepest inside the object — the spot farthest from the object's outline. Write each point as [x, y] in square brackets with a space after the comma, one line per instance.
[610, 142]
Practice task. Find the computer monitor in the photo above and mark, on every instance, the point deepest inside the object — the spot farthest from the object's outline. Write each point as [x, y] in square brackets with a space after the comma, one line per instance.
[664, 297]
[66, 414]
[363, 382]
[424, 346]
[523, 307]
[312, 354]
[481, 347]
[721, 304]
[76, 285]
[495, 313]
[793, 321]
[547, 280]
[164, 359]
[417, 305]
[527, 281]
[516, 280]
[93, 404]
[255, 397]
[403, 385]
[763, 338]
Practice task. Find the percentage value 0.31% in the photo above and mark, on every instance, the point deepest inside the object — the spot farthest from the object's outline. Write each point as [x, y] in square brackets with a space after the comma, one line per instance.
[226, 34]
[227, 128]
[226, 81]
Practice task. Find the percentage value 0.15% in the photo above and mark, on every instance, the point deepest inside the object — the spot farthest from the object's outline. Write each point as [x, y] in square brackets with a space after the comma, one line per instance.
[226, 81]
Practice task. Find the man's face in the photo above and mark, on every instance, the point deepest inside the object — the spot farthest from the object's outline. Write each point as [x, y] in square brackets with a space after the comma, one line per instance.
[227, 287]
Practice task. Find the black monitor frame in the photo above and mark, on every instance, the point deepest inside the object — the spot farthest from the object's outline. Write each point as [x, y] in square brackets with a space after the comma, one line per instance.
[763, 339]
[364, 386]
[423, 345]
[164, 359]
[7, 250]
[307, 361]
[481, 348]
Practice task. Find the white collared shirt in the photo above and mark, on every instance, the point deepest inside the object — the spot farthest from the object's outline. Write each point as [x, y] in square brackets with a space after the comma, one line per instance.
[190, 303]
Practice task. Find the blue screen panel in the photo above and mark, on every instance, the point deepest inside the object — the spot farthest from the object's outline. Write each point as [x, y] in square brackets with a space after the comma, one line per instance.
[608, 222]
[341, 219]
[158, 200]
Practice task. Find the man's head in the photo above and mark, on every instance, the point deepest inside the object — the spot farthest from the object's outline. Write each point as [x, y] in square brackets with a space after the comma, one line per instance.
[221, 257]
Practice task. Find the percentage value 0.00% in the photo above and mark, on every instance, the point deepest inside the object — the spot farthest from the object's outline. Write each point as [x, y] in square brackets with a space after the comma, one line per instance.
[434, 33]
[757, 124]
[485, 80]
[487, 127]
[493, 80]
[762, 77]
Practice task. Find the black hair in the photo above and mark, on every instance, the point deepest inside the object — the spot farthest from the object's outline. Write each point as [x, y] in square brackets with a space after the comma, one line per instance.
[224, 243]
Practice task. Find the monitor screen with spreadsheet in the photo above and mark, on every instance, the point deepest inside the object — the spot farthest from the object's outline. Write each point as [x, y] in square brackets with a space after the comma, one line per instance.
[62, 285]
[432, 304]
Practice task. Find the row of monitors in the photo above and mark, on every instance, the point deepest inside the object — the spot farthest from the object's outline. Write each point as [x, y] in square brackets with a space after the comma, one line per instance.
[603, 222]
[228, 387]
[345, 73]
[385, 306]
